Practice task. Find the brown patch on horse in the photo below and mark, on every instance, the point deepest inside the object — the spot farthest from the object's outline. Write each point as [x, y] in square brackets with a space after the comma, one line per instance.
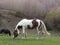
[28, 26]
[35, 24]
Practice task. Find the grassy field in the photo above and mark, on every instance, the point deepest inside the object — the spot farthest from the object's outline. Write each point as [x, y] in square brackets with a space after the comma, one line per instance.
[50, 40]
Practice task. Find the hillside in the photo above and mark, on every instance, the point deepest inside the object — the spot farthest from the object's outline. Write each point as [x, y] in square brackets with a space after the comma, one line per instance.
[8, 19]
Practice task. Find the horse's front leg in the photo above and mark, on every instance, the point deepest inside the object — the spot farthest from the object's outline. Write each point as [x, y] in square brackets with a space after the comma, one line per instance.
[24, 33]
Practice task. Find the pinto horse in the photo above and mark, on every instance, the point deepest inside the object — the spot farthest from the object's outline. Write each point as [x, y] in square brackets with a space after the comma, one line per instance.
[29, 24]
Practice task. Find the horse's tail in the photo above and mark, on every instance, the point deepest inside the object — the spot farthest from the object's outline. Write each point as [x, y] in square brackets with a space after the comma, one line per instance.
[45, 30]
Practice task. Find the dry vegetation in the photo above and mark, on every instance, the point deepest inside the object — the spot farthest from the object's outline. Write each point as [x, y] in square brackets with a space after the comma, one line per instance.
[8, 19]
[34, 8]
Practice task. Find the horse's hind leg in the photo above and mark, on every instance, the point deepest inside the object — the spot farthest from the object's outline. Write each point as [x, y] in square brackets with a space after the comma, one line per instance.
[38, 32]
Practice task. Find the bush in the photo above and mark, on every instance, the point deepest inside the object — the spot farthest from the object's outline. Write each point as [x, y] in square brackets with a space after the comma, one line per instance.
[53, 19]
[19, 14]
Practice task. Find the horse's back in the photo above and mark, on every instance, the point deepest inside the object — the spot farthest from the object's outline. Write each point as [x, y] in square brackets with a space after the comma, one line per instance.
[25, 22]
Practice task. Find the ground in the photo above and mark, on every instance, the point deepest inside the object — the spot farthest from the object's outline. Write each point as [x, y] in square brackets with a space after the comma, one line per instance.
[31, 40]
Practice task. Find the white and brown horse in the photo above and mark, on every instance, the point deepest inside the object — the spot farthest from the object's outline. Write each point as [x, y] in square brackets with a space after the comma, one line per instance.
[29, 24]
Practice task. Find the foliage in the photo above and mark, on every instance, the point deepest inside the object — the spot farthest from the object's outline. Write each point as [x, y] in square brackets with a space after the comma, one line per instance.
[53, 19]
[19, 14]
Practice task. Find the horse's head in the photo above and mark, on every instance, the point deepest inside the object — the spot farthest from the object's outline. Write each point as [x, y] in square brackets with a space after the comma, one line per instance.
[15, 34]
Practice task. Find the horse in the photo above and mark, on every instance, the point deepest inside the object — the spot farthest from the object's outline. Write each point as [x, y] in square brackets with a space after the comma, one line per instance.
[29, 24]
[5, 31]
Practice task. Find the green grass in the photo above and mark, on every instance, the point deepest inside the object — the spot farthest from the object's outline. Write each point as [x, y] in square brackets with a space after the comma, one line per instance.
[50, 40]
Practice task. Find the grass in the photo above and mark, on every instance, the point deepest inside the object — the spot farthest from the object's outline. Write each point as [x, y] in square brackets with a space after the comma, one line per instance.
[48, 40]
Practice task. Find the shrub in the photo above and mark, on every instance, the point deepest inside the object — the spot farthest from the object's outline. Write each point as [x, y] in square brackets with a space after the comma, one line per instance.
[19, 14]
[53, 19]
